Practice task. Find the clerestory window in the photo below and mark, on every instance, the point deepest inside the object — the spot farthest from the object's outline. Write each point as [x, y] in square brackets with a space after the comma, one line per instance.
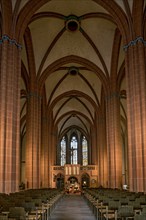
[63, 151]
[84, 151]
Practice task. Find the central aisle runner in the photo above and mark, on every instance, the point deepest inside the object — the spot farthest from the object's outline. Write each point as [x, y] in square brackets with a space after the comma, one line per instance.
[72, 207]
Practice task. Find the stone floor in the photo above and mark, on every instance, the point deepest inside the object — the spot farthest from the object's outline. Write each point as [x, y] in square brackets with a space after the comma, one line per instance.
[72, 207]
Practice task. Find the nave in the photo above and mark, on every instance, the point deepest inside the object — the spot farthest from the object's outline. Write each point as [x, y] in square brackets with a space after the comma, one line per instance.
[72, 207]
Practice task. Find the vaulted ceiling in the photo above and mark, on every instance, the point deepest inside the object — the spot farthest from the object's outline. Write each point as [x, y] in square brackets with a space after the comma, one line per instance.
[71, 46]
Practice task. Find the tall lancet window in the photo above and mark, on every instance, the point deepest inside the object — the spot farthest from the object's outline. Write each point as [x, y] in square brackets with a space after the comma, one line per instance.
[74, 150]
[84, 151]
[63, 151]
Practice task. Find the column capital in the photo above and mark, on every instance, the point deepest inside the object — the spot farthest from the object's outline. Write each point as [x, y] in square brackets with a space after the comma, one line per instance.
[134, 42]
[10, 41]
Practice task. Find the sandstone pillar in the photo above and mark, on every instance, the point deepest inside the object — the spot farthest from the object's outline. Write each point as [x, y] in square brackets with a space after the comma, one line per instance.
[9, 114]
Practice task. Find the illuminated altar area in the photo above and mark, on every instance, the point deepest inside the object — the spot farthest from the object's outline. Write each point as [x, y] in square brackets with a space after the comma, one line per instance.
[75, 175]
[72, 171]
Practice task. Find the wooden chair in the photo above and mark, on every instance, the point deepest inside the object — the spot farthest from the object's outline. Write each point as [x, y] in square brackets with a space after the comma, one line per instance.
[140, 217]
[17, 213]
[111, 210]
[125, 212]
[3, 217]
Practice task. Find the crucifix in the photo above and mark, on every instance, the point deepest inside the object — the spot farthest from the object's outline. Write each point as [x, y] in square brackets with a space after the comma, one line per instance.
[72, 154]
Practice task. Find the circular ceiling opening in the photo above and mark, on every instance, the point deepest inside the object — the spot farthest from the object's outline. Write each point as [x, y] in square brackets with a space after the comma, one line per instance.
[72, 23]
[73, 71]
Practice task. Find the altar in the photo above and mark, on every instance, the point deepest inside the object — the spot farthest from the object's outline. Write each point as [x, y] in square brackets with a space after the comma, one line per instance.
[74, 177]
[72, 187]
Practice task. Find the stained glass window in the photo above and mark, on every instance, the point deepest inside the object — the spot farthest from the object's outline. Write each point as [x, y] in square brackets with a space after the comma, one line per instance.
[68, 153]
[84, 151]
[74, 150]
[63, 151]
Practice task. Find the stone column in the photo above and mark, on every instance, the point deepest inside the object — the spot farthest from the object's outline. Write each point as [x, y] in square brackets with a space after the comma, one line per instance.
[50, 148]
[33, 140]
[45, 152]
[102, 151]
[136, 113]
[114, 146]
[93, 146]
[9, 114]
[54, 146]
[124, 157]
